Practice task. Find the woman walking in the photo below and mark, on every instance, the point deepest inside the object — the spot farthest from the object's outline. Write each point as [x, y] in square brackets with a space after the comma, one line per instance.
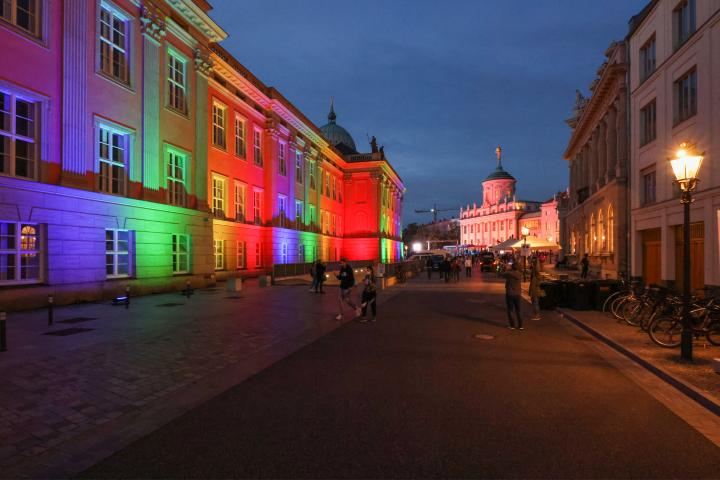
[369, 295]
[535, 291]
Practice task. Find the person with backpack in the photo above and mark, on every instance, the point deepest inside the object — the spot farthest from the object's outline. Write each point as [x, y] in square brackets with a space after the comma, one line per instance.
[347, 282]
[369, 295]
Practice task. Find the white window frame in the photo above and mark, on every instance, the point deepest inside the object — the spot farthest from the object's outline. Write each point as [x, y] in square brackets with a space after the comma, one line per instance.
[18, 252]
[176, 161]
[257, 206]
[219, 194]
[219, 254]
[300, 253]
[240, 255]
[240, 130]
[313, 180]
[299, 211]
[11, 135]
[257, 147]
[284, 252]
[12, 18]
[240, 195]
[298, 167]
[282, 161]
[177, 89]
[282, 209]
[117, 252]
[115, 49]
[100, 160]
[219, 125]
[180, 258]
[258, 254]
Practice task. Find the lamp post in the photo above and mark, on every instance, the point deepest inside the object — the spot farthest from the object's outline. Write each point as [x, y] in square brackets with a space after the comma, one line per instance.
[686, 165]
[525, 232]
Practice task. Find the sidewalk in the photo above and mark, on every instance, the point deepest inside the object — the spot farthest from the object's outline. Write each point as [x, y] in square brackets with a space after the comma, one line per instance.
[103, 376]
[698, 377]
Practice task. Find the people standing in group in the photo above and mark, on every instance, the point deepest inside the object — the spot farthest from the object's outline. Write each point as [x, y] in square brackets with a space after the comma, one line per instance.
[534, 290]
[369, 295]
[320, 269]
[585, 266]
[468, 266]
[347, 282]
[513, 282]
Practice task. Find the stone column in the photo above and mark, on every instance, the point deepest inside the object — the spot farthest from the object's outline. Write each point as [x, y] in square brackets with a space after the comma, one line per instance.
[76, 45]
[593, 161]
[153, 29]
[622, 146]
[602, 154]
[203, 68]
[611, 144]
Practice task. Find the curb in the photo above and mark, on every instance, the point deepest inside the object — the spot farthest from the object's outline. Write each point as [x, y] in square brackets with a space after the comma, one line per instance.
[681, 386]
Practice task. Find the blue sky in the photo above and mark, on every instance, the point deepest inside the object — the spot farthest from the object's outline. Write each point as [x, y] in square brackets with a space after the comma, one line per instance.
[439, 83]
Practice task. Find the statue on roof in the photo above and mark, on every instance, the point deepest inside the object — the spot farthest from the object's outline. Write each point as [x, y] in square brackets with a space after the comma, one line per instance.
[373, 145]
[382, 152]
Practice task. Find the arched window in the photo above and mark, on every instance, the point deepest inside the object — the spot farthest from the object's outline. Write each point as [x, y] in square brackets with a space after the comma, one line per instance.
[611, 229]
[592, 235]
[573, 243]
[601, 232]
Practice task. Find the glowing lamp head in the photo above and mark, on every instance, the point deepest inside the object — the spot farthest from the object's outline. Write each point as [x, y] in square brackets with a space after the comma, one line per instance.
[525, 231]
[417, 247]
[686, 166]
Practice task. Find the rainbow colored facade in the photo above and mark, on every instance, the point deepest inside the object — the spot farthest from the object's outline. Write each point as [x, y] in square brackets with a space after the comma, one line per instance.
[134, 150]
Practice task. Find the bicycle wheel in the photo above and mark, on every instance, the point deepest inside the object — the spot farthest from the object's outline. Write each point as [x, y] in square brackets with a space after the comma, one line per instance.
[647, 313]
[666, 331]
[630, 312]
[713, 333]
[608, 301]
[617, 304]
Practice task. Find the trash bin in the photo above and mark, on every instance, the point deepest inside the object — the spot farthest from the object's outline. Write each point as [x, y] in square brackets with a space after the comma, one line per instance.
[602, 289]
[579, 295]
[553, 292]
[563, 295]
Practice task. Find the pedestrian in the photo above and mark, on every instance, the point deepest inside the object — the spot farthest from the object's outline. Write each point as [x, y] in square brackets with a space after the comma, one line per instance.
[585, 265]
[445, 269]
[534, 290]
[468, 266]
[320, 269]
[428, 266]
[369, 295]
[347, 282]
[456, 269]
[313, 276]
[513, 281]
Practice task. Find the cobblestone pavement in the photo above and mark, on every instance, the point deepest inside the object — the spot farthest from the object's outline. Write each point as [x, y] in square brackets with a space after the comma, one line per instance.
[700, 374]
[68, 400]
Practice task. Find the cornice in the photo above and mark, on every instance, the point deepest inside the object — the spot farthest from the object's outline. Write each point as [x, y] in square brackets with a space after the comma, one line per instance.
[180, 33]
[225, 70]
[198, 19]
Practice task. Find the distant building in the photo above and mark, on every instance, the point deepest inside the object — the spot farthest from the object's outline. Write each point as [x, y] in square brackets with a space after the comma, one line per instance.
[501, 216]
[597, 155]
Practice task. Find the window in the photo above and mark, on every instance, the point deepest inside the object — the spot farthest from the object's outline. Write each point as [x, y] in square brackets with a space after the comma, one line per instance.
[176, 82]
[239, 137]
[240, 260]
[647, 59]
[648, 183]
[298, 211]
[339, 191]
[683, 22]
[648, 126]
[685, 101]
[24, 14]
[282, 209]
[257, 147]
[283, 253]
[18, 136]
[313, 186]
[240, 190]
[112, 159]
[218, 125]
[114, 42]
[334, 188]
[117, 253]
[327, 184]
[282, 165]
[219, 251]
[300, 253]
[176, 186]
[257, 207]
[610, 229]
[180, 253]
[218, 196]
[334, 224]
[298, 167]
[258, 255]
[312, 218]
[19, 253]
[601, 233]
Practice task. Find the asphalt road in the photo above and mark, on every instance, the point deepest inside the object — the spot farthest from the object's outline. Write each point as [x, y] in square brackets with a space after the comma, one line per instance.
[418, 395]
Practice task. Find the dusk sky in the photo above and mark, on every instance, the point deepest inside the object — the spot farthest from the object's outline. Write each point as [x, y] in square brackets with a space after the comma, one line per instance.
[440, 84]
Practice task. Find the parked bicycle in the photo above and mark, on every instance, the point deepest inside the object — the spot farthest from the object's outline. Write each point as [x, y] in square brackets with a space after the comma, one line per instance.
[666, 330]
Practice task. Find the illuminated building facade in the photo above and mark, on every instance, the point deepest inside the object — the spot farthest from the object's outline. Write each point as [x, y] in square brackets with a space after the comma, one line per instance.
[500, 217]
[122, 159]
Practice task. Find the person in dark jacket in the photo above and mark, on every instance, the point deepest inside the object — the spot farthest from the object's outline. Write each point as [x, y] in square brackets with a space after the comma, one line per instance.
[369, 294]
[513, 282]
[319, 276]
[445, 270]
[429, 267]
[585, 264]
[347, 281]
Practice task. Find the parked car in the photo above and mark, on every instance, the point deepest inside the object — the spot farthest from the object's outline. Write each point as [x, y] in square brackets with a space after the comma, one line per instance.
[436, 261]
[487, 262]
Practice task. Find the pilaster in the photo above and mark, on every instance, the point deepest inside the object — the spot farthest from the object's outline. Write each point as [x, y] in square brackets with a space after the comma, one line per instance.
[75, 124]
[611, 144]
[203, 67]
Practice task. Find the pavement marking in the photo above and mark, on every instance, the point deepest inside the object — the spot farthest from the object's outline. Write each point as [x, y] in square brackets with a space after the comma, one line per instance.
[690, 411]
[484, 336]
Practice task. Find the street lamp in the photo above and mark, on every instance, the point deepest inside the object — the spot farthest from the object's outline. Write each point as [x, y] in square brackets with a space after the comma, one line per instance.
[525, 232]
[686, 165]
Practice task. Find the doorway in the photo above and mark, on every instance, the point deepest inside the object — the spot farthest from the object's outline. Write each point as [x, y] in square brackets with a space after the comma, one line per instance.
[651, 257]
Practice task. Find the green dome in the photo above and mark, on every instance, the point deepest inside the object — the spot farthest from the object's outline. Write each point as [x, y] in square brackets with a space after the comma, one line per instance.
[336, 134]
[499, 174]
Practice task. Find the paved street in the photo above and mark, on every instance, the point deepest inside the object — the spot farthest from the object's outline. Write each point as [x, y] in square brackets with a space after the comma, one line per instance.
[418, 394]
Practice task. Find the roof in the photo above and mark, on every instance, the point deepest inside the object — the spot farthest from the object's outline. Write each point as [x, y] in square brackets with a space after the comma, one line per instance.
[499, 174]
[338, 136]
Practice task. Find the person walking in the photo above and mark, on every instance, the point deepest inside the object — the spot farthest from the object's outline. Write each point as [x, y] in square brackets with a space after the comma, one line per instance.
[313, 276]
[585, 265]
[369, 295]
[428, 267]
[534, 290]
[445, 268]
[456, 269]
[513, 281]
[468, 266]
[347, 282]
[320, 269]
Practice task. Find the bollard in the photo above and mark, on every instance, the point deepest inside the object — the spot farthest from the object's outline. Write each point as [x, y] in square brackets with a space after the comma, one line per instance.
[3, 334]
[51, 312]
[127, 296]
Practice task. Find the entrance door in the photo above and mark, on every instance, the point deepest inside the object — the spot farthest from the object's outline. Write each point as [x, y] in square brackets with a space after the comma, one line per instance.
[651, 256]
[697, 256]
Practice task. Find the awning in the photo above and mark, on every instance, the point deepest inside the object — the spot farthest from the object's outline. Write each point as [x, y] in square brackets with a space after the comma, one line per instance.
[532, 241]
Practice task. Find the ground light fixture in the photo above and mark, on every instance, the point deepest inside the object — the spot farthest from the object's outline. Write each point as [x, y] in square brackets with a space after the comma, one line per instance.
[686, 166]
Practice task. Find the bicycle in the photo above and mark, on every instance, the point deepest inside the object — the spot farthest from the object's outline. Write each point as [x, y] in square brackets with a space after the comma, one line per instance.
[666, 330]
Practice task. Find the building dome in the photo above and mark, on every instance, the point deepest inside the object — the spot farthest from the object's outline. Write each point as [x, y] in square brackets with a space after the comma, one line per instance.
[336, 134]
[499, 173]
